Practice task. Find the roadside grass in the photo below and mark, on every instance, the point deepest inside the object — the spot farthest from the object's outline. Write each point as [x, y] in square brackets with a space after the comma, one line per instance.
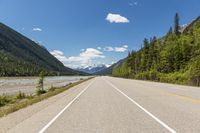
[20, 95]
[10, 104]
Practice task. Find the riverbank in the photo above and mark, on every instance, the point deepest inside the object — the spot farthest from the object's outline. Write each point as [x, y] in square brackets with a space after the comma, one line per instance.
[12, 103]
[27, 85]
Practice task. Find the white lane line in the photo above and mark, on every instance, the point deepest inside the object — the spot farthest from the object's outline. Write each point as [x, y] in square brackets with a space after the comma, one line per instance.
[142, 108]
[63, 110]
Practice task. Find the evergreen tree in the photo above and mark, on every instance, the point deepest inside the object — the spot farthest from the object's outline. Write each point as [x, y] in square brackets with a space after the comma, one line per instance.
[170, 31]
[176, 24]
[41, 81]
[145, 55]
[174, 58]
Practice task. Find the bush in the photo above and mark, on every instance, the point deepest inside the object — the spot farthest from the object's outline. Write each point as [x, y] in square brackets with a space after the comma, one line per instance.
[30, 96]
[40, 92]
[153, 75]
[4, 100]
[20, 95]
[194, 72]
[52, 88]
[142, 76]
[176, 78]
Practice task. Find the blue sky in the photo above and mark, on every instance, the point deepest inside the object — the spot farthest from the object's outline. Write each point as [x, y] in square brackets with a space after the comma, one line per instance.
[87, 32]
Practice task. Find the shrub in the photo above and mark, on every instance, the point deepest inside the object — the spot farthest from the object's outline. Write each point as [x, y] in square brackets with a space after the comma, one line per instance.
[143, 76]
[30, 96]
[177, 78]
[4, 100]
[20, 95]
[194, 72]
[153, 75]
[52, 88]
[41, 81]
[40, 92]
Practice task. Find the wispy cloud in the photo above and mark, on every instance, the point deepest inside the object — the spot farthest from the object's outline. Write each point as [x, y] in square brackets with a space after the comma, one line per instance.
[85, 57]
[133, 4]
[116, 18]
[99, 48]
[37, 29]
[116, 49]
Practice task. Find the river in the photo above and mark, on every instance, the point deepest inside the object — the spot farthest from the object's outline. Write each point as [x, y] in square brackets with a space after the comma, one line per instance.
[12, 85]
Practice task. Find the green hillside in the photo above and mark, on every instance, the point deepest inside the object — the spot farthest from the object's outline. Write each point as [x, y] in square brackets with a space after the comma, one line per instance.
[20, 56]
[174, 58]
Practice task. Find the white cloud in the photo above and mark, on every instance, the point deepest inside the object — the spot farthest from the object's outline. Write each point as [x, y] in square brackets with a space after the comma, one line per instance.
[130, 4]
[116, 49]
[37, 29]
[133, 4]
[99, 48]
[125, 46]
[92, 53]
[85, 57]
[108, 48]
[59, 55]
[116, 18]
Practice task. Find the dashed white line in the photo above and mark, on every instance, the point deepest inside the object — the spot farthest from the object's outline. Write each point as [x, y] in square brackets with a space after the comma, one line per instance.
[63, 110]
[142, 108]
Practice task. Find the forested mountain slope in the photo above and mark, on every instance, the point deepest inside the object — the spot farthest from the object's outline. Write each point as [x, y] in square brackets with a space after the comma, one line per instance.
[20, 56]
[174, 58]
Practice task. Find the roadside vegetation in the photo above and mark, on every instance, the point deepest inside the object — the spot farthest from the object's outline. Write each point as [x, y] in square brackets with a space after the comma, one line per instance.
[40, 88]
[174, 58]
[12, 103]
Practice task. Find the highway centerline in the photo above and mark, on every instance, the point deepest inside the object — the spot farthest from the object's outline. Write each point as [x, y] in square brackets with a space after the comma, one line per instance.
[142, 108]
[64, 109]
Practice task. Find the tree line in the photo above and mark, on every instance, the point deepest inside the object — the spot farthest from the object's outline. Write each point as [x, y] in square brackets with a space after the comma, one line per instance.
[174, 58]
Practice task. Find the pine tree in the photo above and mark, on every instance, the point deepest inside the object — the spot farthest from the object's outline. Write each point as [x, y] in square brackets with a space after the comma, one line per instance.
[145, 55]
[40, 86]
[176, 24]
[41, 81]
[170, 31]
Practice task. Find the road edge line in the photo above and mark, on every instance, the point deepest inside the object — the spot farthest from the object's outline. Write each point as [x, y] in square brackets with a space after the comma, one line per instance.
[142, 108]
[64, 109]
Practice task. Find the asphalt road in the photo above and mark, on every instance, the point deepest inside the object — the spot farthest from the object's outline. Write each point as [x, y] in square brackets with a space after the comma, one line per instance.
[112, 105]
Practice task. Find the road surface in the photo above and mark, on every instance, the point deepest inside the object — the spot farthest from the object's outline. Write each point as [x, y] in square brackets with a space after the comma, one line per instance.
[112, 105]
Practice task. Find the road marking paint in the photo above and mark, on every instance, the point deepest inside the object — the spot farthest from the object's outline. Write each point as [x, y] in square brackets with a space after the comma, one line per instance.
[142, 108]
[179, 96]
[187, 98]
[64, 109]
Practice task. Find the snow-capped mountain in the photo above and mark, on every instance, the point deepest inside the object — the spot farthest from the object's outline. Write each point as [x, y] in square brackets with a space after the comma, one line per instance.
[92, 69]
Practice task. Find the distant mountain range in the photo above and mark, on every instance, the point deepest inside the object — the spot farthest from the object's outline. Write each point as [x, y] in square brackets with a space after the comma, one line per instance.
[20, 56]
[101, 69]
[108, 70]
[92, 69]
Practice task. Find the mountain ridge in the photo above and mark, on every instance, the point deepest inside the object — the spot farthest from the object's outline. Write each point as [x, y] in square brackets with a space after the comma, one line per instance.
[108, 70]
[20, 56]
[92, 69]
